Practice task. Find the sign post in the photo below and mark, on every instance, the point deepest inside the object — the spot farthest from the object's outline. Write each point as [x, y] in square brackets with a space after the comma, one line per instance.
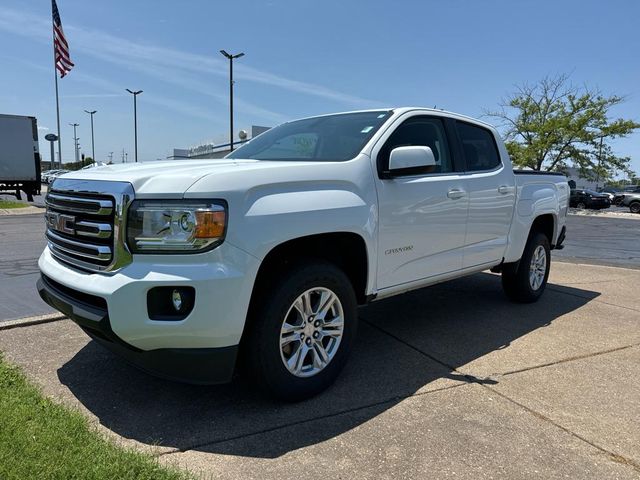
[52, 138]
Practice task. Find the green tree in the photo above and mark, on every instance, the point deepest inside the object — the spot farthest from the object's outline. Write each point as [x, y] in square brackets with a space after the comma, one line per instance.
[553, 124]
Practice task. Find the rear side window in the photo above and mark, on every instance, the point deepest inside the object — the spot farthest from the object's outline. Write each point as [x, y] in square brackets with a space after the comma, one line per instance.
[479, 147]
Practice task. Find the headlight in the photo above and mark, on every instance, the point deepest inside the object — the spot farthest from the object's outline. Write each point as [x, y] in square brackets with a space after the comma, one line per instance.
[166, 226]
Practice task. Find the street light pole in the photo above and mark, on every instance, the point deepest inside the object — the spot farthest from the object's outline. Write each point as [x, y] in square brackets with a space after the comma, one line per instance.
[599, 164]
[75, 139]
[231, 58]
[135, 120]
[93, 149]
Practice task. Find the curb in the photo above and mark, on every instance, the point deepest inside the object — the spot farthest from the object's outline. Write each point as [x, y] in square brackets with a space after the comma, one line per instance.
[30, 210]
[27, 321]
[618, 215]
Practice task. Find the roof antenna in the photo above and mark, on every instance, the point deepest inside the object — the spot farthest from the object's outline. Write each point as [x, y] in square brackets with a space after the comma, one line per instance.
[434, 107]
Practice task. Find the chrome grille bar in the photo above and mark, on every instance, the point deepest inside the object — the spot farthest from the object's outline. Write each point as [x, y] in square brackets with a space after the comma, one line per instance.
[101, 253]
[76, 204]
[95, 230]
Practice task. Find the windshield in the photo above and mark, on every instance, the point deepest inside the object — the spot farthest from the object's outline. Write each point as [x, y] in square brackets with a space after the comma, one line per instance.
[332, 138]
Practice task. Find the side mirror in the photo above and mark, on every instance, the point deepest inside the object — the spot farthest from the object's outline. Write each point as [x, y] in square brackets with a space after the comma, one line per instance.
[410, 160]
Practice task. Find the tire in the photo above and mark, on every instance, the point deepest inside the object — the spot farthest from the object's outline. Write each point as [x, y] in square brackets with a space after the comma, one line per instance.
[519, 282]
[634, 207]
[270, 345]
[581, 205]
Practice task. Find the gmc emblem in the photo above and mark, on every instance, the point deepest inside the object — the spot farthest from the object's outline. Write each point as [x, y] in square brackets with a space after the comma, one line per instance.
[61, 222]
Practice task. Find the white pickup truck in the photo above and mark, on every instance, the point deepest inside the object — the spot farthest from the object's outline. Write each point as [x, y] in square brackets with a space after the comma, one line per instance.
[185, 267]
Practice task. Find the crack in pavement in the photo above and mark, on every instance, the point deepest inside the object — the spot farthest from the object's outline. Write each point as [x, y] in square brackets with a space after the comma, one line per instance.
[565, 360]
[488, 380]
[392, 399]
[485, 383]
[614, 457]
[559, 290]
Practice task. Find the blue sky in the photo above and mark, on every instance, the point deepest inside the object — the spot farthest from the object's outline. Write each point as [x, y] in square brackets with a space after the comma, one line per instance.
[303, 57]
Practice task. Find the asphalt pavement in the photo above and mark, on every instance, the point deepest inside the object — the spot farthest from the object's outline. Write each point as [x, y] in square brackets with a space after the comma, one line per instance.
[21, 243]
[601, 241]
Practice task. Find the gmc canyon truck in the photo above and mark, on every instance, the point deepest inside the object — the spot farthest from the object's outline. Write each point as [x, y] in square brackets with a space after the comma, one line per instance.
[184, 268]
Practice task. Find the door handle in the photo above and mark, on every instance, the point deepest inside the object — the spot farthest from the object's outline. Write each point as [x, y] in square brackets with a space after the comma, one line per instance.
[504, 189]
[456, 193]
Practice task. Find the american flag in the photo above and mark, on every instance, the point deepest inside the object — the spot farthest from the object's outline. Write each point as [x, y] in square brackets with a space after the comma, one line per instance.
[60, 45]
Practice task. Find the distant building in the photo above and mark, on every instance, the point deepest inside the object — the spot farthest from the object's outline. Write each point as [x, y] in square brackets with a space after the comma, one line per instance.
[573, 173]
[211, 150]
[179, 154]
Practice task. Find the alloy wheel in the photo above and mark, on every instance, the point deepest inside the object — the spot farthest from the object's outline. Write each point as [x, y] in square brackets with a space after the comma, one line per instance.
[538, 267]
[311, 332]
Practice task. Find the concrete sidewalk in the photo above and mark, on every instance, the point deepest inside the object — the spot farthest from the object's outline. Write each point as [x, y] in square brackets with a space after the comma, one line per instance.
[448, 382]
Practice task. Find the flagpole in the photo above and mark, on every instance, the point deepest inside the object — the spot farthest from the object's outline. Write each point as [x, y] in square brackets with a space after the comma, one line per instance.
[55, 75]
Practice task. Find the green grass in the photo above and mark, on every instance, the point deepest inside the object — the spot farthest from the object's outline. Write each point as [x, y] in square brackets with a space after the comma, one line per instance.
[44, 440]
[11, 204]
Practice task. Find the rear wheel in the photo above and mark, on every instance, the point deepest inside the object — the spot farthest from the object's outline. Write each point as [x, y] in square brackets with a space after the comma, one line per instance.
[301, 332]
[581, 205]
[526, 282]
[634, 207]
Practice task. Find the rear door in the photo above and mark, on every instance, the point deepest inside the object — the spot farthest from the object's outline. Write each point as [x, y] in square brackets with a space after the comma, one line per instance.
[422, 216]
[492, 193]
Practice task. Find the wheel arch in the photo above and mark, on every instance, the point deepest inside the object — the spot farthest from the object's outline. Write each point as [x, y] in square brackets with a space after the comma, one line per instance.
[347, 250]
[546, 224]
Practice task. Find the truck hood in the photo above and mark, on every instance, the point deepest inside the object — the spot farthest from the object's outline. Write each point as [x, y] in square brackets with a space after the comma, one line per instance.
[168, 178]
[172, 179]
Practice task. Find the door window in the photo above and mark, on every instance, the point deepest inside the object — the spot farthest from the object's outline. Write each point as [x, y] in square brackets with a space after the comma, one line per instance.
[479, 147]
[419, 131]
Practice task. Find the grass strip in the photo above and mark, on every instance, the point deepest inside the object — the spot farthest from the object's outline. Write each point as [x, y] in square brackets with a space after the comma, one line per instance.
[45, 440]
[11, 204]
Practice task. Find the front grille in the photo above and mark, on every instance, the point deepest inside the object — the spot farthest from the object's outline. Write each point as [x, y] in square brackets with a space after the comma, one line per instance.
[85, 223]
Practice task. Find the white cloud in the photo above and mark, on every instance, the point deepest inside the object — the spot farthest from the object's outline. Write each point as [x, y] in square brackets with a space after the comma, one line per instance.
[169, 64]
[94, 95]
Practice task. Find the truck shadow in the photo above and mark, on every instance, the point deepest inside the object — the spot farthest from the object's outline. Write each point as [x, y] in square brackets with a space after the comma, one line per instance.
[411, 343]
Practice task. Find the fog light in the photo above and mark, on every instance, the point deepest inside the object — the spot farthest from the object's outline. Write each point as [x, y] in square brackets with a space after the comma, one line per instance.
[170, 303]
[176, 299]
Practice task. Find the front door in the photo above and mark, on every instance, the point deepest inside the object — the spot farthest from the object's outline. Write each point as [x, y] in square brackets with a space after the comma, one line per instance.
[422, 216]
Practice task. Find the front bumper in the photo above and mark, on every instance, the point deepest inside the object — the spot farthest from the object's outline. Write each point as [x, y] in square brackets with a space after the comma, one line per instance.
[112, 308]
[191, 365]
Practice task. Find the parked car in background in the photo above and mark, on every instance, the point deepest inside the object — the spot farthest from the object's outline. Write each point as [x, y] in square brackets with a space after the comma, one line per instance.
[610, 192]
[52, 175]
[45, 177]
[631, 200]
[619, 197]
[589, 199]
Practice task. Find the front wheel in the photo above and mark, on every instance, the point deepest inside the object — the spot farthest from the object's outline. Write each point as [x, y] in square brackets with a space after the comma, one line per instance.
[526, 282]
[301, 330]
[581, 205]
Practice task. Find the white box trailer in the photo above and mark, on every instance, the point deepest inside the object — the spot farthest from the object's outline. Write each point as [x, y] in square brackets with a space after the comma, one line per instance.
[19, 156]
